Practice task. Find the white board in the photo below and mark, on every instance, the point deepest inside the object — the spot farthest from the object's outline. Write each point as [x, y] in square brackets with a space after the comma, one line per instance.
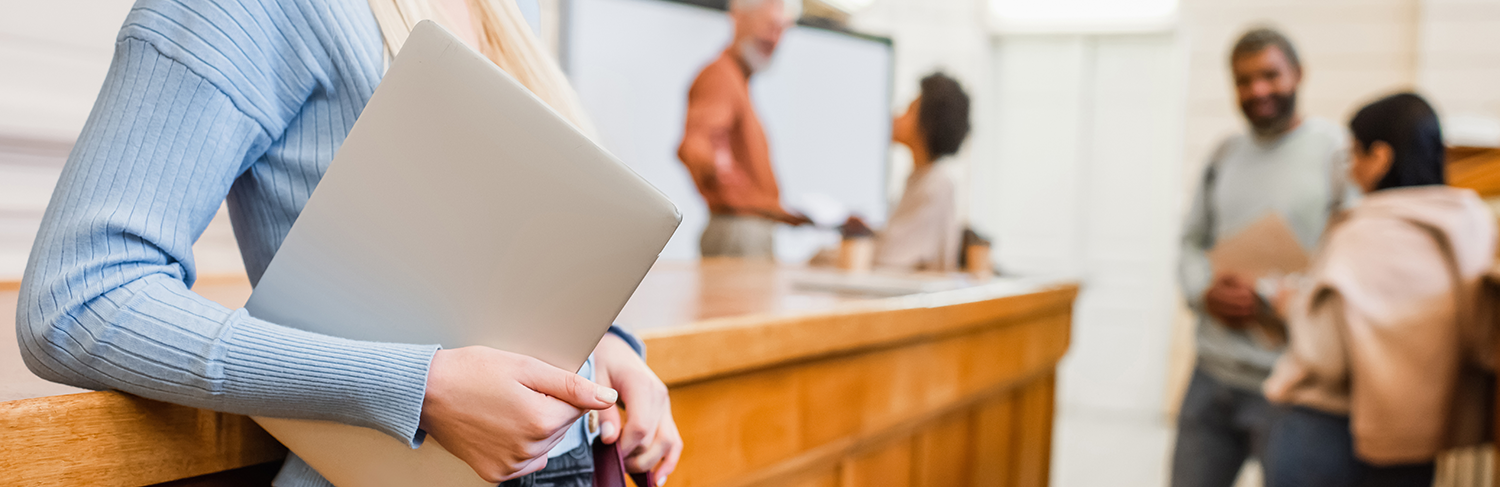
[825, 105]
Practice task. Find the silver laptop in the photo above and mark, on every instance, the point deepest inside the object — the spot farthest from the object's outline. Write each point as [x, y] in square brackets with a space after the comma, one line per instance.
[461, 210]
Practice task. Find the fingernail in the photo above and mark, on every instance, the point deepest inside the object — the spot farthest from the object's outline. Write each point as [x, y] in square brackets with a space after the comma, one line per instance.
[660, 481]
[606, 394]
[607, 429]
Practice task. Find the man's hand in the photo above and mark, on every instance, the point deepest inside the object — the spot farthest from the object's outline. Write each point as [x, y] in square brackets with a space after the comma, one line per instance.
[502, 412]
[1231, 299]
[649, 440]
[855, 227]
[780, 215]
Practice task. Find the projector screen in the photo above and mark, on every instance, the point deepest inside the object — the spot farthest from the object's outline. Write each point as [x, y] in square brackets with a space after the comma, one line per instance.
[824, 102]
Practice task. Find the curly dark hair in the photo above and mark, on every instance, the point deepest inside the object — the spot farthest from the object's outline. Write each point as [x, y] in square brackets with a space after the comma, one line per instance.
[943, 114]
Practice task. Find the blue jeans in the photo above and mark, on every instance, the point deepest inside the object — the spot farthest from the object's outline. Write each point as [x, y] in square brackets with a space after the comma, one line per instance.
[1218, 427]
[1315, 449]
[572, 469]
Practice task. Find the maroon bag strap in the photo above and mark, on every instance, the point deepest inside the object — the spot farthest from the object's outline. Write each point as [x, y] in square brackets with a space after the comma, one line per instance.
[609, 469]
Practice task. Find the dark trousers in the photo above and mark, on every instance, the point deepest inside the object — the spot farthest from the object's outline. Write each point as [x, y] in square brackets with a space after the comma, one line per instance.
[572, 469]
[1310, 448]
[1218, 428]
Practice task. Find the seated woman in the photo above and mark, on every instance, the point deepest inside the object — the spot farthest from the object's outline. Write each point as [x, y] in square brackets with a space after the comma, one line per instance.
[196, 109]
[924, 232]
[1371, 375]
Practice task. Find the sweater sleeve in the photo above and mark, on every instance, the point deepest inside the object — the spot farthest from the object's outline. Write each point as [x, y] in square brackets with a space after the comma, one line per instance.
[106, 302]
[1194, 271]
[705, 137]
[1193, 268]
[630, 339]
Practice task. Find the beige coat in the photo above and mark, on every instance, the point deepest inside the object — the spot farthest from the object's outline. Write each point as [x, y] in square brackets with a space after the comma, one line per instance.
[1377, 334]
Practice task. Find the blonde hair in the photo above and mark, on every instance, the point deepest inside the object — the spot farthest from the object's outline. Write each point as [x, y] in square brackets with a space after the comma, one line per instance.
[504, 37]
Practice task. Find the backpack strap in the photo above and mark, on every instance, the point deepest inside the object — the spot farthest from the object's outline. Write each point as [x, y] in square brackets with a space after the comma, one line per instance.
[1475, 332]
[1210, 182]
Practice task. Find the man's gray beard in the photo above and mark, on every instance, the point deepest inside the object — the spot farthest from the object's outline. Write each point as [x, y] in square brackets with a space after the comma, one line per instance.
[753, 58]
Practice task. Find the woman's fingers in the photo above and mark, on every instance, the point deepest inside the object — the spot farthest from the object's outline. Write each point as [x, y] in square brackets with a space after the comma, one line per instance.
[567, 386]
[660, 456]
[646, 410]
[500, 412]
[609, 425]
[674, 452]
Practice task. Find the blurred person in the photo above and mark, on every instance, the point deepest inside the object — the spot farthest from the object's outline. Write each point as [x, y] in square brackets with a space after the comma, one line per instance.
[1287, 164]
[1371, 377]
[196, 110]
[924, 232]
[723, 144]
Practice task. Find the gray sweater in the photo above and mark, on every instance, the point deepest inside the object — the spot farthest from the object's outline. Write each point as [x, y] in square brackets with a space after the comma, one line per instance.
[1246, 178]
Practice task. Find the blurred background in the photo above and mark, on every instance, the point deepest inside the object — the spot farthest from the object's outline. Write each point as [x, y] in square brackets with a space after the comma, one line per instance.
[1092, 121]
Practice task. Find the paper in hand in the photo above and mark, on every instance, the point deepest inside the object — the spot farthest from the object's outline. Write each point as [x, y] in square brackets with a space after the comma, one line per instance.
[1265, 248]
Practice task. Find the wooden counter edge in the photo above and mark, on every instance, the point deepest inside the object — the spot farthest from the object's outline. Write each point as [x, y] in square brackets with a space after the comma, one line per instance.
[693, 353]
[111, 438]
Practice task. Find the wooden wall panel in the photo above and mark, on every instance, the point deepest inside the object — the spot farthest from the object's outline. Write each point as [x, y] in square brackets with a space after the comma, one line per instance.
[1035, 436]
[995, 442]
[975, 408]
[887, 466]
[942, 452]
[823, 477]
[736, 426]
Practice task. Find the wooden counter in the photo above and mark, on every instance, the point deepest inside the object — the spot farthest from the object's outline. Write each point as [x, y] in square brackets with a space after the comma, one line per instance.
[771, 385]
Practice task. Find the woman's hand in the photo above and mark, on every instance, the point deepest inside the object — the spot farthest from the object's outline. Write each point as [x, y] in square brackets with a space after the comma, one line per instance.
[502, 412]
[649, 440]
[1288, 289]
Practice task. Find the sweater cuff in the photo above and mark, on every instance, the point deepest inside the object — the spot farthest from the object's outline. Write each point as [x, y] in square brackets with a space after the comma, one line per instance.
[299, 374]
[630, 339]
[297, 473]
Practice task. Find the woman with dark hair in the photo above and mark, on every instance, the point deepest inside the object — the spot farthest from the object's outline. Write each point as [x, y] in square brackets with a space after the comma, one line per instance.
[924, 232]
[1372, 376]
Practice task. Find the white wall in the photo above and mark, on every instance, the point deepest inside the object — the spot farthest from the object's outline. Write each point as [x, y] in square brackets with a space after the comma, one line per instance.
[1087, 168]
[1074, 167]
[1074, 163]
[1458, 66]
[55, 54]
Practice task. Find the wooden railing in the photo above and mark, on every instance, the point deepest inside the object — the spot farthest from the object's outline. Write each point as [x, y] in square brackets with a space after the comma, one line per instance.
[1478, 169]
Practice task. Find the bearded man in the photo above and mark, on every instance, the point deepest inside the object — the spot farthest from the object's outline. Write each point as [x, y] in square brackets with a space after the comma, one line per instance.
[1287, 164]
[723, 144]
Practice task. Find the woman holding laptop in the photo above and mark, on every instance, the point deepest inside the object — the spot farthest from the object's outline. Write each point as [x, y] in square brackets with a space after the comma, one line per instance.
[247, 101]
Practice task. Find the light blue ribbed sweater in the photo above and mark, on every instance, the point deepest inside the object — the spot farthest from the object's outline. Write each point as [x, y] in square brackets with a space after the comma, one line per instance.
[240, 99]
